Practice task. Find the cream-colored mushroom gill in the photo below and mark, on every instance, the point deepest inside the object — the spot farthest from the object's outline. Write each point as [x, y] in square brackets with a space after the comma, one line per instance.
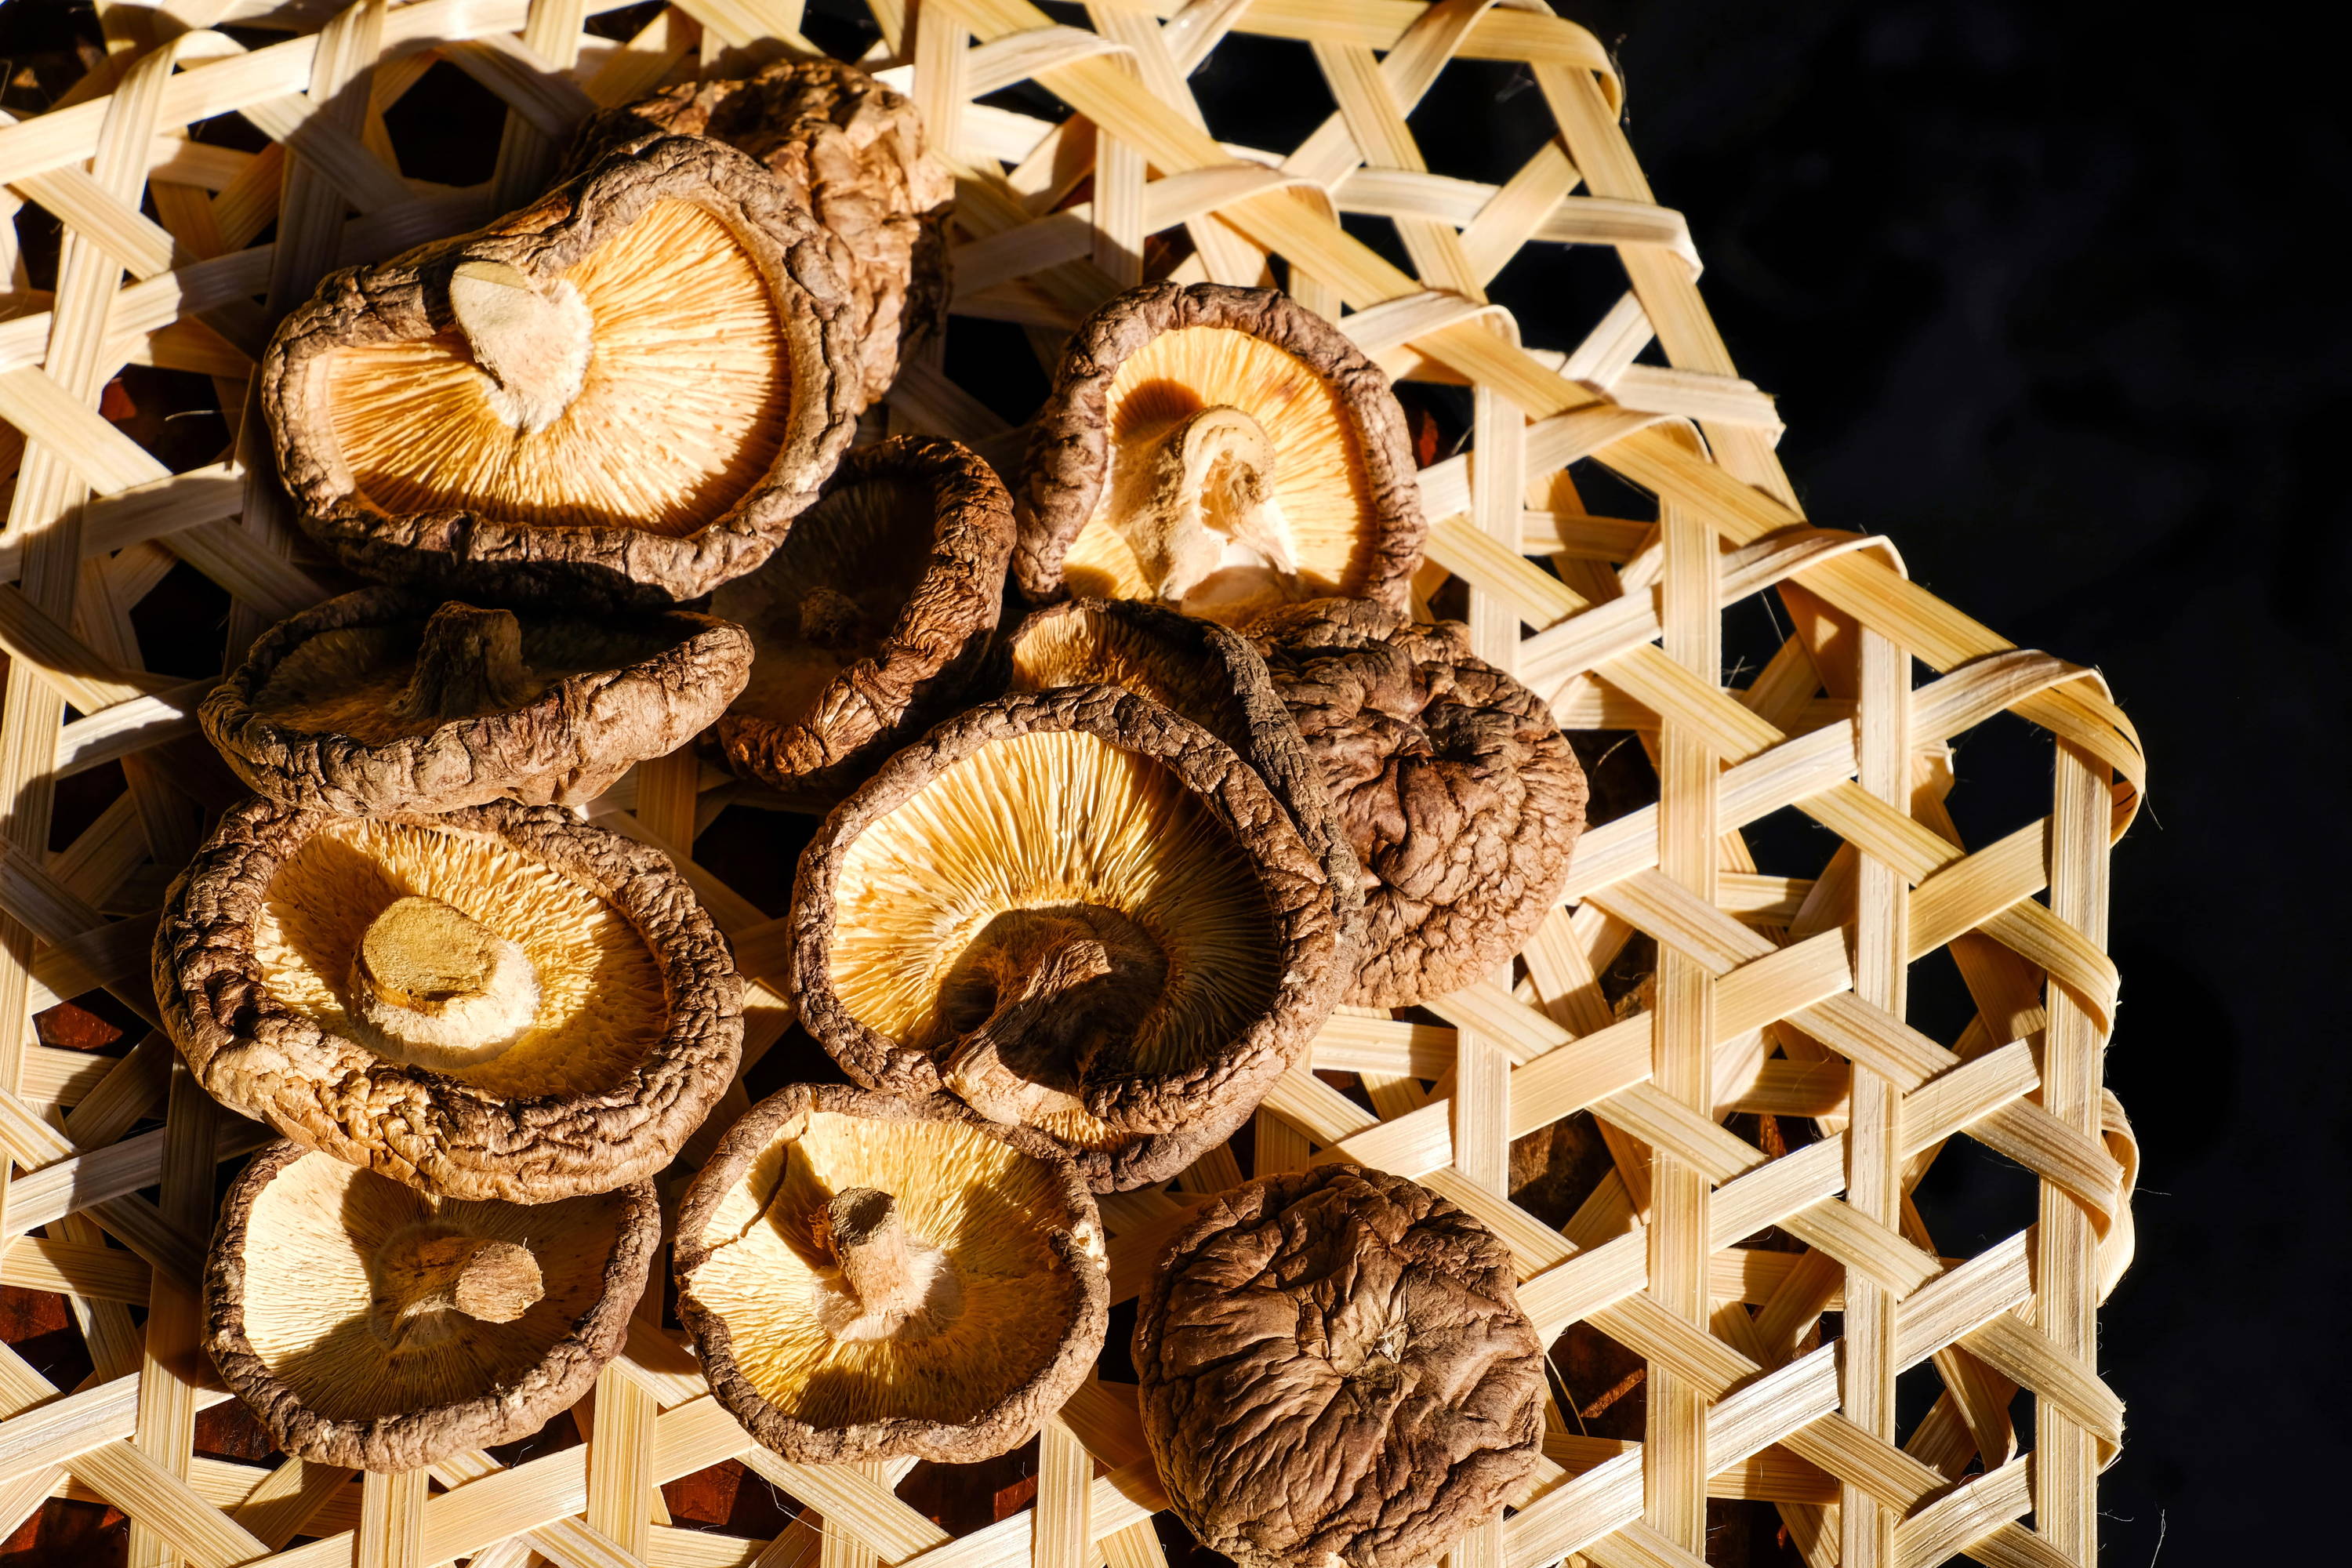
[978, 1304]
[675, 407]
[1235, 482]
[1048, 905]
[414, 942]
[370, 1299]
[830, 595]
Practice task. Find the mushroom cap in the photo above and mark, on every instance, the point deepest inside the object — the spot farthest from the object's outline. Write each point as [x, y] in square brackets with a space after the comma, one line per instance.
[1006, 1220]
[850, 151]
[295, 1274]
[1335, 1370]
[632, 1032]
[320, 712]
[1343, 473]
[1453, 782]
[1079, 904]
[1209, 674]
[905, 559]
[717, 390]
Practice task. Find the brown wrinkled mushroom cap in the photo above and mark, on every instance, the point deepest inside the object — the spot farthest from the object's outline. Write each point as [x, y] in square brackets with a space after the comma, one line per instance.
[1209, 674]
[622, 394]
[388, 700]
[850, 151]
[1221, 449]
[1077, 911]
[868, 1278]
[368, 1324]
[869, 618]
[501, 1002]
[1459, 793]
[1335, 1370]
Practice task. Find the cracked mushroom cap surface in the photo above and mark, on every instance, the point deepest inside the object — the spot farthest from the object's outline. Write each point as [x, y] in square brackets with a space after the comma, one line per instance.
[1462, 798]
[392, 700]
[368, 1324]
[501, 1002]
[1222, 450]
[851, 151]
[868, 1277]
[1335, 1370]
[621, 395]
[872, 615]
[1077, 911]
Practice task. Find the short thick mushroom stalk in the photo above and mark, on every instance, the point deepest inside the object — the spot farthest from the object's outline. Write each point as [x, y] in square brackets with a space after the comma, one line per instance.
[389, 699]
[432, 985]
[1077, 911]
[868, 1277]
[1222, 451]
[429, 1280]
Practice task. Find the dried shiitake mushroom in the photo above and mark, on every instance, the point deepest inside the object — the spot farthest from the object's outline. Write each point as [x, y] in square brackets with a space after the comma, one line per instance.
[1459, 793]
[872, 614]
[1077, 911]
[368, 1324]
[1335, 1370]
[868, 1277]
[502, 1002]
[389, 700]
[1223, 451]
[622, 394]
[850, 151]
[1209, 674]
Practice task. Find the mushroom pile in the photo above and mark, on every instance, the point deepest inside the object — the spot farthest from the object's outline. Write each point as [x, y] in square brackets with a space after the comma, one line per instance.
[1085, 885]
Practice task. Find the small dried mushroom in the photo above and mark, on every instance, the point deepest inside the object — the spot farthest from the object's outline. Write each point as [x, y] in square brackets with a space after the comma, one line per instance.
[874, 612]
[850, 151]
[1222, 450]
[382, 702]
[868, 1276]
[1335, 1370]
[501, 1002]
[368, 1324]
[1077, 911]
[1453, 782]
[622, 394]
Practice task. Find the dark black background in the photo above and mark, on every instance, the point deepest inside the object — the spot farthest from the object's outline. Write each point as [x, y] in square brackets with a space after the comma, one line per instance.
[2045, 294]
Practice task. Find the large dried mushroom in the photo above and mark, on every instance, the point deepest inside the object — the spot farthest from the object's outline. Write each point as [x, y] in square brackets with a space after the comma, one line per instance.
[1222, 450]
[850, 151]
[370, 1325]
[1077, 911]
[386, 700]
[873, 613]
[622, 394]
[1335, 1370]
[501, 1002]
[868, 1277]
[1456, 789]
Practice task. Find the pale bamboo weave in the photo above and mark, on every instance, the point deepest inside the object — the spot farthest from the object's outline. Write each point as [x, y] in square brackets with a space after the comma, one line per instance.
[1772, 994]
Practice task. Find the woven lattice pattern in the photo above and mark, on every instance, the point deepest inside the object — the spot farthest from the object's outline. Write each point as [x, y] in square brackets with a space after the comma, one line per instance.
[1770, 1370]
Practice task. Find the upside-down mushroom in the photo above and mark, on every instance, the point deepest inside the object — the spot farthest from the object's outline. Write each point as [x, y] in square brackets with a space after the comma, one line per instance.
[1335, 1370]
[868, 1277]
[368, 1324]
[502, 1002]
[1079, 912]
[1453, 782]
[1221, 450]
[872, 615]
[849, 150]
[622, 394]
[386, 700]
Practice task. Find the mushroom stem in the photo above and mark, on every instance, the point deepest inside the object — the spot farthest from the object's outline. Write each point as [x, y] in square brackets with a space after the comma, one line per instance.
[422, 1273]
[532, 338]
[863, 1228]
[1199, 501]
[469, 661]
[830, 618]
[1013, 1067]
[430, 984]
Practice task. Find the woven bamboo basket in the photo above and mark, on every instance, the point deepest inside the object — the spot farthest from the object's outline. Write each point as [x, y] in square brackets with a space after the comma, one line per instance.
[1772, 1293]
